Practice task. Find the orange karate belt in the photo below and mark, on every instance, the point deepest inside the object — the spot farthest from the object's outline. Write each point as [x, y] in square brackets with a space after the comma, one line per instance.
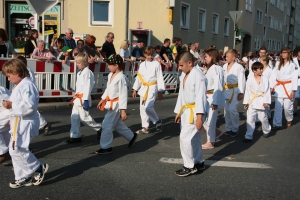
[77, 95]
[283, 85]
[111, 102]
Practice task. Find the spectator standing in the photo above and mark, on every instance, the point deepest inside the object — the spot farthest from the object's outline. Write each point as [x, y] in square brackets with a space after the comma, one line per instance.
[137, 51]
[108, 47]
[124, 52]
[166, 52]
[69, 41]
[31, 42]
[6, 46]
[179, 46]
[174, 48]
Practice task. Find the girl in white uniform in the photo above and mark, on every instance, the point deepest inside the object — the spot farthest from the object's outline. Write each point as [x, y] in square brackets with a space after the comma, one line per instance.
[234, 91]
[191, 109]
[82, 100]
[297, 94]
[24, 125]
[150, 84]
[43, 123]
[114, 100]
[4, 125]
[284, 88]
[257, 99]
[216, 99]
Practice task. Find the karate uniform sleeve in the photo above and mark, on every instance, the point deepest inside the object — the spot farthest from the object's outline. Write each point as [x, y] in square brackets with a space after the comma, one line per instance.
[267, 95]
[88, 79]
[294, 77]
[28, 104]
[123, 93]
[160, 79]
[104, 95]
[218, 87]
[137, 83]
[241, 79]
[247, 92]
[179, 102]
[200, 92]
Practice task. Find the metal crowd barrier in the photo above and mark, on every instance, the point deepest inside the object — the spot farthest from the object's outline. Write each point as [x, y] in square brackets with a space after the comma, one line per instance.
[50, 76]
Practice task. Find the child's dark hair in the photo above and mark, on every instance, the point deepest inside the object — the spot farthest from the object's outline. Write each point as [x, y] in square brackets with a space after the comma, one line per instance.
[185, 56]
[15, 66]
[22, 59]
[256, 66]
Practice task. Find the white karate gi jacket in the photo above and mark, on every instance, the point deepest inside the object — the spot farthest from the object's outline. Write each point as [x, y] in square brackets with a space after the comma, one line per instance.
[118, 87]
[262, 89]
[84, 84]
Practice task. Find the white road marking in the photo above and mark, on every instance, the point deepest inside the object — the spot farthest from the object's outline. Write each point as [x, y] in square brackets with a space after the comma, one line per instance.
[216, 163]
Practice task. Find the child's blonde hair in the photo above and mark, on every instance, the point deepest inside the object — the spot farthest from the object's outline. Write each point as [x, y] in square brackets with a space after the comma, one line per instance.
[233, 52]
[82, 57]
[15, 66]
[149, 50]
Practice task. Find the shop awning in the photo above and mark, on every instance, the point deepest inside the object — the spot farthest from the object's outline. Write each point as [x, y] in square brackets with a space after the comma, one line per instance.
[40, 6]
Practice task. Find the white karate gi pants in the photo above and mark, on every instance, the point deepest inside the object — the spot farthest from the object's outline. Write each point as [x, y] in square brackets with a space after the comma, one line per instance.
[80, 115]
[190, 141]
[231, 114]
[24, 162]
[287, 104]
[112, 121]
[263, 118]
[43, 122]
[210, 125]
[147, 112]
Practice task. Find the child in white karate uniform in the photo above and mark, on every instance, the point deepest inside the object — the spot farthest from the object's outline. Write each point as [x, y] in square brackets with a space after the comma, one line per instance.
[114, 100]
[191, 109]
[24, 125]
[257, 99]
[43, 123]
[297, 94]
[285, 86]
[216, 99]
[234, 74]
[4, 125]
[82, 101]
[150, 84]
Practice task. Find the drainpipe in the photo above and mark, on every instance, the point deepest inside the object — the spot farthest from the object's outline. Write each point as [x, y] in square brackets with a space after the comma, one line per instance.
[126, 18]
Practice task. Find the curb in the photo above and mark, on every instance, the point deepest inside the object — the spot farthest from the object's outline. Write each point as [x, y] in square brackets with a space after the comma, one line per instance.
[48, 106]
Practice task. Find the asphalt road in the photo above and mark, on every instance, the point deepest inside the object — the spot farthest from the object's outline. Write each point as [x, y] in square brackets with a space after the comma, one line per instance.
[137, 173]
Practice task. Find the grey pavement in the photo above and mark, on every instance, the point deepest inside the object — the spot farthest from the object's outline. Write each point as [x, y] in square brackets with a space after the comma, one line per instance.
[136, 173]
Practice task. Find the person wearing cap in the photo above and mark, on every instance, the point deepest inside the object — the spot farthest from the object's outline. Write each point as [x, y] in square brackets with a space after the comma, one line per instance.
[149, 84]
[64, 56]
[114, 100]
[82, 100]
[137, 52]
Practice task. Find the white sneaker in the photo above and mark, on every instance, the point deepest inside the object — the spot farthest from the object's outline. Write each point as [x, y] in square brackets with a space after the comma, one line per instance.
[22, 182]
[142, 131]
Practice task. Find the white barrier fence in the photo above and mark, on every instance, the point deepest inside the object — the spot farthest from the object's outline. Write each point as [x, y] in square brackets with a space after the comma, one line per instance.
[51, 77]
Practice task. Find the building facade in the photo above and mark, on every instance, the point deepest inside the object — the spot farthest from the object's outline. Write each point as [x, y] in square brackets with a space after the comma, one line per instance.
[269, 23]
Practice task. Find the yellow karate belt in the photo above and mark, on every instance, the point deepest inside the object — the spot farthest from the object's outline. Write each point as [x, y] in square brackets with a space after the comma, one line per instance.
[230, 86]
[255, 96]
[186, 106]
[210, 91]
[14, 136]
[147, 84]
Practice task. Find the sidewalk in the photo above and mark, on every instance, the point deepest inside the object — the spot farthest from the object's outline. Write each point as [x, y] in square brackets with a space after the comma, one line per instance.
[54, 105]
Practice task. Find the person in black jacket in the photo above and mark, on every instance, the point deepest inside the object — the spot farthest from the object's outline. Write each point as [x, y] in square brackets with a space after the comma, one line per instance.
[31, 42]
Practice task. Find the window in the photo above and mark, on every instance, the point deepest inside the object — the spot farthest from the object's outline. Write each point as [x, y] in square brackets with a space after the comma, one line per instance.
[215, 24]
[259, 16]
[278, 46]
[185, 16]
[101, 12]
[226, 26]
[201, 19]
[267, 7]
[265, 34]
[248, 5]
[273, 45]
[273, 2]
[257, 43]
[288, 11]
[278, 4]
[269, 44]
[271, 22]
[280, 26]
